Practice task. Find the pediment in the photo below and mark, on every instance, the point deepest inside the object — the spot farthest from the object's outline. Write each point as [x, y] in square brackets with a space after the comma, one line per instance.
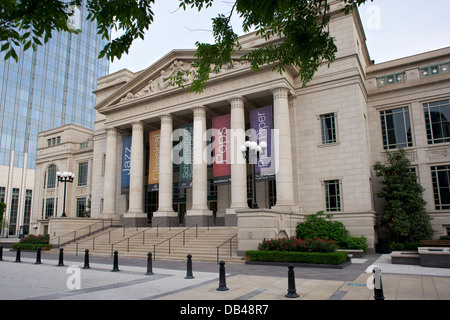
[155, 80]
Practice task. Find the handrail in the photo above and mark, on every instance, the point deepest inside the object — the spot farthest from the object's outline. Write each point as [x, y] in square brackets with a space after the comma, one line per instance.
[95, 237]
[84, 235]
[224, 244]
[129, 237]
[168, 239]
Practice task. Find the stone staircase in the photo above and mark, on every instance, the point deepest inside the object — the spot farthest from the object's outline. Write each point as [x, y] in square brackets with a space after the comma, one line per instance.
[164, 243]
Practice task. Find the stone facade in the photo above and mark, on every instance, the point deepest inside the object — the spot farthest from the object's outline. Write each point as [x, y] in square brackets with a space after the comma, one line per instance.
[328, 136]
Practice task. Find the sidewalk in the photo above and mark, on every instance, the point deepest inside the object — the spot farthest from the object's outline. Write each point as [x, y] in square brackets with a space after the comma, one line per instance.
[47, 281]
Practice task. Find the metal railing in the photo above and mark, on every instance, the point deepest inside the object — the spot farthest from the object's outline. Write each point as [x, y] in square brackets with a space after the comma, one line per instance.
[84, 231]
[132, 236]
[231, 247]
[175, 235]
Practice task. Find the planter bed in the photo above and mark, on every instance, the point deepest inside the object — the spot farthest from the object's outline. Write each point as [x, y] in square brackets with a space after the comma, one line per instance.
[31, 246]
[336, 260]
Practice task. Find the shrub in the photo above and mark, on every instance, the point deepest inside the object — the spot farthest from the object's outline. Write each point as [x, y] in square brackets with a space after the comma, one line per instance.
[334, 258]
[444, 238]
[298, 245]
[317, 227]
[397, 247]
[32, 239]
[358, 243]
[31, 246]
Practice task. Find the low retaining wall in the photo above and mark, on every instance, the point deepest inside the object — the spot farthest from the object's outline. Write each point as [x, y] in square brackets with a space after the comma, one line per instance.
[425, 257]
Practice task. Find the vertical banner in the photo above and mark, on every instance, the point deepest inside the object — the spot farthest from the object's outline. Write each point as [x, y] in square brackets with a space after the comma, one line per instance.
[153, 171]
[186, 136]
[126, 165]
[221, 149]
[261, 122]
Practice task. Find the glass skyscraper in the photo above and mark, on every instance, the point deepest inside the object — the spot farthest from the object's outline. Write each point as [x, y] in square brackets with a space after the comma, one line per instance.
[46, 88]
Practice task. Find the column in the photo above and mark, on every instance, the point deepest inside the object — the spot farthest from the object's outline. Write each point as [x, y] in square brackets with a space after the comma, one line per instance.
[199, 213]
[135, 215]
[165, 215]
[110, 180]
[238, 165]
[284, 173]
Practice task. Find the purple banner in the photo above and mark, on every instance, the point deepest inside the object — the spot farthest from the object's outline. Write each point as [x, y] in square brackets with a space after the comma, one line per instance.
[261, 123]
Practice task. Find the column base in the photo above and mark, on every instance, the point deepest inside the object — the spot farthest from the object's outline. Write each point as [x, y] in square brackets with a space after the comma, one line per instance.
[135, 221]
[286, 208]
[165, 219]
[202, 218]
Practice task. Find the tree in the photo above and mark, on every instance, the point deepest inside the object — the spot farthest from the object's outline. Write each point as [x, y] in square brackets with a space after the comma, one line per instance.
[404, 217]
[299, 26]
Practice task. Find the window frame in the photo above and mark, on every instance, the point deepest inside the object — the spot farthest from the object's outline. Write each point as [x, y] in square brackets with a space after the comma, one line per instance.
[429, 125]
[338, 195]
[385, 130]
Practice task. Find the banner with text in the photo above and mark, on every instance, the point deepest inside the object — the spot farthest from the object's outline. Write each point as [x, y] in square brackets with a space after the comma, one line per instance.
[153, 171]
[261, 122]
[126, 165]
[185, 153]
[221, 149]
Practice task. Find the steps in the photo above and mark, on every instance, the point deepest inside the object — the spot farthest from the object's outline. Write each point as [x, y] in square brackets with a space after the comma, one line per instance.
[164, 243]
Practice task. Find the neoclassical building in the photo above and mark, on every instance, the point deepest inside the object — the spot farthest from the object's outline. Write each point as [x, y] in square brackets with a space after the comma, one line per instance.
[164, 156]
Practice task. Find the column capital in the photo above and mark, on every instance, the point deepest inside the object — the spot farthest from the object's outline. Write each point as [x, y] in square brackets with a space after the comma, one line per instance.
[236, 102]
[166, 119]
[111, 132]
[280, 92]
[199, 111]
[137, 125]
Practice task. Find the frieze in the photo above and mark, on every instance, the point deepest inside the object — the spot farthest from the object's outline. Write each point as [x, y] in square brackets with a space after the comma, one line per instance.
[163, 81]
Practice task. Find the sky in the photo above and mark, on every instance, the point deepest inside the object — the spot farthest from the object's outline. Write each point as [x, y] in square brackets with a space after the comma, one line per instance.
[393, 28]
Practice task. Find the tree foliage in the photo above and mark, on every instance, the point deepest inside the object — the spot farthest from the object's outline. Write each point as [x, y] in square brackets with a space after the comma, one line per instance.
[299, 29]
[404, 217]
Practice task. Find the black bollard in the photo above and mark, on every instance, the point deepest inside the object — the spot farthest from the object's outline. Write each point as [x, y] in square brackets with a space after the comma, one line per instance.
[189, 274]
[1, 253]
[116, 262]
[292, 292]
[222, 281]
[149, 264]
[61, 258]
[86, 259]
[18, 254]
[378, 285]
[38, 256]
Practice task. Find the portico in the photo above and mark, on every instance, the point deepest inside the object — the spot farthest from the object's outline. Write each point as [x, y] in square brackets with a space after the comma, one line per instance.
[140, 107]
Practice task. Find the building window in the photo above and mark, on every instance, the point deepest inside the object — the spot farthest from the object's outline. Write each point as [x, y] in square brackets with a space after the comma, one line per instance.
[51, 177]
[272, 193]
[328, 125]
[396, 128]
[27, 211]
[391, 79]
[333, 195]
[82, 173]
[437, 119]
[2, 194]
[441, 186]
[81, 207]
[50, 208]
[434, 70]
[14, 211]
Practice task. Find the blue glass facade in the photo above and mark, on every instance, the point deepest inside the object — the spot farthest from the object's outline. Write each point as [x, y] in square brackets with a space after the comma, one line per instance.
[48, 88]
[45, 89]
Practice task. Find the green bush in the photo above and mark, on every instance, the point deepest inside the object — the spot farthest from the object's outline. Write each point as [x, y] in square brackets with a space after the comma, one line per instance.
[32, 239]
[333, 258]
[317, 226]
[298, 245]
[444, 238]
[358, 243]
[31, 246]
[397, 247]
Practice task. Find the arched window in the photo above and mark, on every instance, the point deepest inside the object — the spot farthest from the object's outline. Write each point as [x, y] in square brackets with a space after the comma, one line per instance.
[50, 180]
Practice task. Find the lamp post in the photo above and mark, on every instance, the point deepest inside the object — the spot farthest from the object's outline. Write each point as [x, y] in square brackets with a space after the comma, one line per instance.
[65, 177]
[251, 151]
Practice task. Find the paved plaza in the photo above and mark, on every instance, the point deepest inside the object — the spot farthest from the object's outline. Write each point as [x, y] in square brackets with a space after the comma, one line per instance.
[48, 281]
